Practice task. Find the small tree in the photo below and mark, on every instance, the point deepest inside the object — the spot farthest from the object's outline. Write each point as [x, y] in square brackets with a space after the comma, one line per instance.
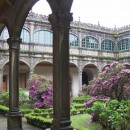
[40, 91]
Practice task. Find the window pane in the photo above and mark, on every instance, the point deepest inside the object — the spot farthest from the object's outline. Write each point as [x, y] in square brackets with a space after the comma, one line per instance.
[43, 37]
[25, 36]
[124, 44]
[108, 45]
[73, 40]
[90, 42]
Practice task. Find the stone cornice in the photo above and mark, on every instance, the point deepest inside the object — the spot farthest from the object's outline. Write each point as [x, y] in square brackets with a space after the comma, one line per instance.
[77, 24]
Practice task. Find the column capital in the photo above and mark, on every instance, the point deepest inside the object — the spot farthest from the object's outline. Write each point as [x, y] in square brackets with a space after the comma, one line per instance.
[80, 71]
[14, 43]
[60, 19]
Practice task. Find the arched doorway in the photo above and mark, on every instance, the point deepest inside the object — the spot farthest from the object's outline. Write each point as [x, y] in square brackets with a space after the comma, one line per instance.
[90, 71]
[23, 76]
[84, 78]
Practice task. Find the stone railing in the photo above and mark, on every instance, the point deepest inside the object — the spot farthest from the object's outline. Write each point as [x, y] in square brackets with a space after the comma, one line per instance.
[39, 49]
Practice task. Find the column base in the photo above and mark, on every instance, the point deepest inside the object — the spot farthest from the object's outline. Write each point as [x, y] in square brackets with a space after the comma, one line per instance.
[14, 121]
[62, 125]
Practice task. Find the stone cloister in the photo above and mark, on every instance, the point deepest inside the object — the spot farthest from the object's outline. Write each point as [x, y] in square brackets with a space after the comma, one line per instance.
[12, 15]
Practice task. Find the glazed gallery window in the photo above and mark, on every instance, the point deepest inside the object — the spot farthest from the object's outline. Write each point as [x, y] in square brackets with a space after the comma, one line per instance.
[43, 37]
[73, 40]
[124, 44]
[108, 45]
[25, 36]
[90, 42]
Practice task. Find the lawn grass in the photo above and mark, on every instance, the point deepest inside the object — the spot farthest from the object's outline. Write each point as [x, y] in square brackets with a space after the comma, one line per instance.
[82, 122]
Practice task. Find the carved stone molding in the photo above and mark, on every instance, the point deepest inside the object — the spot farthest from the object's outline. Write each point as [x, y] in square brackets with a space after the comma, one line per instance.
[61, 19]
[14, 43]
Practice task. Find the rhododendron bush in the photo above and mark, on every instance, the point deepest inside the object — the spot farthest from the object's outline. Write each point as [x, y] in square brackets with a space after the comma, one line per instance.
[112, 83]
[40, 91]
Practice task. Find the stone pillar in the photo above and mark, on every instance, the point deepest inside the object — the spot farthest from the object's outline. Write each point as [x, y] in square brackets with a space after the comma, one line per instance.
[31, 72]
[61, 88]
[1, 80]
[80, 80]
[14, 121]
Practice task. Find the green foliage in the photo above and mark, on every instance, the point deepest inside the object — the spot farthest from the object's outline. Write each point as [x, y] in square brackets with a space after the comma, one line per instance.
[81, 122]
[22, 97]
[113, 82]
[3, 109]
[115, 115]
[81, 99]
[38, 121]
[4, 98]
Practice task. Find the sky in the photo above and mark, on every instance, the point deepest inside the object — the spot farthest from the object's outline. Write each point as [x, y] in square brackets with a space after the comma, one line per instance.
[108, 13]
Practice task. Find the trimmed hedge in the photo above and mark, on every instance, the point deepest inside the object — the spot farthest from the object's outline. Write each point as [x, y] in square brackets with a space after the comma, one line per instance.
[3, 109]
[81, 99]
[38, 121]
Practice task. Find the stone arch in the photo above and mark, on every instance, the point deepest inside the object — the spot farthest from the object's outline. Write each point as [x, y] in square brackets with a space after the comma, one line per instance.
[72, 62]
[23, 75]
[96, 37]
[26, 28]
[25, 61]
[44, 68]
[103, 68]
[107, 39]
[49, 30]
[39, 61]
[89, 72]
[125, 37]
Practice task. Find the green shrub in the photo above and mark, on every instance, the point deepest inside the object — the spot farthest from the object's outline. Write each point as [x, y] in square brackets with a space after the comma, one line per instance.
[3, 109]
[78, 106]
[81, 99]
[38, 121]
[22, 97]
[114, 116]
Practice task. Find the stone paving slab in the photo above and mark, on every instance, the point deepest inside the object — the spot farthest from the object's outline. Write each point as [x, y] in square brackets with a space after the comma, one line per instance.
[26, 126]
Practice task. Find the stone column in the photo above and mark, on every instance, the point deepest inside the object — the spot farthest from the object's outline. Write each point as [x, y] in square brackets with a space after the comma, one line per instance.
[14, 121]
[1, 80]
[31, 72]
[61, 88]
[80, 80]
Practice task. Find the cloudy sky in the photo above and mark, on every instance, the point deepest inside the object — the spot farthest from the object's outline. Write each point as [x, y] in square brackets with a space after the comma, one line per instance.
[107, 12]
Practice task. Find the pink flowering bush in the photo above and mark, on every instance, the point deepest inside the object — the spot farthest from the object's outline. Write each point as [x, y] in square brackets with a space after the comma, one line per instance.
[40, 91]
[113, 82]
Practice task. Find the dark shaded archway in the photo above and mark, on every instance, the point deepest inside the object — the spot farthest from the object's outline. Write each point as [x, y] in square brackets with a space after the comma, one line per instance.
[90, 71]
[84, 78]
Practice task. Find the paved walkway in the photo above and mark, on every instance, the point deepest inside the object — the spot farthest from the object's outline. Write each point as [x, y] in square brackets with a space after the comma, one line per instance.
[26, 126]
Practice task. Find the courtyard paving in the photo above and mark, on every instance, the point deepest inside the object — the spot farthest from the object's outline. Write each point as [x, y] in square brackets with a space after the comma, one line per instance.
[26, 126]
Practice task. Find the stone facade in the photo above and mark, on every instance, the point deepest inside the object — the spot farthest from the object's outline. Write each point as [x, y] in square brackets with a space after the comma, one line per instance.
[37, 58]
